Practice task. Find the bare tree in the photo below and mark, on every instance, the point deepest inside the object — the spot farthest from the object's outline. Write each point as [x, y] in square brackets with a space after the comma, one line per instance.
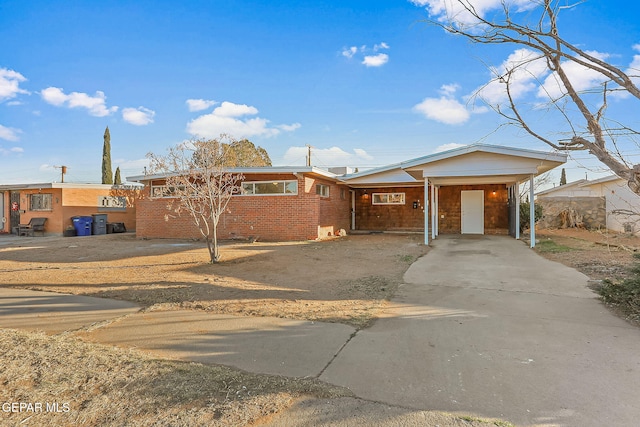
[532, 26]
[198, 184]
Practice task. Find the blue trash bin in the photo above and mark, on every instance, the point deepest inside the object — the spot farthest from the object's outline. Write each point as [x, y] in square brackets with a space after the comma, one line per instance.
[82, 224]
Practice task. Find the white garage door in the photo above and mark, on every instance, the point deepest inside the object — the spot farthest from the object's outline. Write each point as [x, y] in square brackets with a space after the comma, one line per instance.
[472, 212]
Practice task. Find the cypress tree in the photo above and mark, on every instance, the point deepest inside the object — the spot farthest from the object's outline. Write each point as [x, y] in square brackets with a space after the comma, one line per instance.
[107, 174]
[117, 180]
[563, 177]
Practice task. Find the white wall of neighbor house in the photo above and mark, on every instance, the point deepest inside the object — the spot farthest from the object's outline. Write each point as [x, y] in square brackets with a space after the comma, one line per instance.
[623, 205]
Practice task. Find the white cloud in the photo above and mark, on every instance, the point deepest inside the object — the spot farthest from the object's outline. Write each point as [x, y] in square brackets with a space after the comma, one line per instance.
[449, 90]
[361, 154]
[54, 96]
[445, 109]
[229, 118]
[96, 105]
[10, 84]
[448, 10]
[370, 56]
[526, 69]
[138, 116]
[200, 104]
[327, 157]
[229, 109]
[289, 128]
[349, 52]
[447, 147]
[581, 77]
[9, 134]
[12, 150]
[376, 60]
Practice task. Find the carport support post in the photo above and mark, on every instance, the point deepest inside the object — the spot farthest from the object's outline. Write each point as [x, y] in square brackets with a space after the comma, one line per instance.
[516, 197]
[433, 211]
[426, 211]
[532, 214]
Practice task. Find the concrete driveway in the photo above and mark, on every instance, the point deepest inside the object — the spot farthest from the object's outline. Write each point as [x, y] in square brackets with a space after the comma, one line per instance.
[485, 326]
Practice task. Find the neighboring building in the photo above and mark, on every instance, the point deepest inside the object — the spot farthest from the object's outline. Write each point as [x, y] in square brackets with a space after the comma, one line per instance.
[59, 202]
[601, 203]
[468, 190]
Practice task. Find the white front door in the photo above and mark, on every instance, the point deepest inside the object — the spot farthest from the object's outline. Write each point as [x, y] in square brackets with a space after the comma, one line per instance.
[472, 211]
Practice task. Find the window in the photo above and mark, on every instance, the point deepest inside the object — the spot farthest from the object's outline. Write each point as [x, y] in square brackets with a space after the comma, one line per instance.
[118, 203]
[40, 202]
[257, 188]
[162, 191]
[388, 199]
[322, 190]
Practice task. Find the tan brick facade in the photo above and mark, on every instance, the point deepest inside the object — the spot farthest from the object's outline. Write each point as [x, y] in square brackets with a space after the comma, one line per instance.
[67, 201]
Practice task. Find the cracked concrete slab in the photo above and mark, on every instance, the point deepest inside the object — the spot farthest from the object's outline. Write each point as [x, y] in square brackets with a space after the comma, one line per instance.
[485, 326]
[256, 344]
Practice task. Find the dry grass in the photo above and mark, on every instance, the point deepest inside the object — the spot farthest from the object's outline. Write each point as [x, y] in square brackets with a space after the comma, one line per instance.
[109, 386]
[345, 280]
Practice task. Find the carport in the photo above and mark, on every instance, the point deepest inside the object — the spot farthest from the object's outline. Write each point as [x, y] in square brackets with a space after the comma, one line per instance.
[467, 190]
[480, 165]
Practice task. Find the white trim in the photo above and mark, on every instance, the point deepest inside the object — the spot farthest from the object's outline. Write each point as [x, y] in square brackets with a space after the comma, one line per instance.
[426, 211]
[252, 170]
[275, 181]
[433, 212]
[389, 195]
[516, 197]
[353, 209]
[486, 148]
[532, 213]
[437, 208]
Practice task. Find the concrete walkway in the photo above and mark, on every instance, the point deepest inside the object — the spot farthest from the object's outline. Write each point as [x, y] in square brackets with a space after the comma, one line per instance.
[485, 326]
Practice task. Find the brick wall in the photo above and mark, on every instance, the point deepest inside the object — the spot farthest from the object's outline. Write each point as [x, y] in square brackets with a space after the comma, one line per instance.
[267, 217]
[496, 210]
[390, 217]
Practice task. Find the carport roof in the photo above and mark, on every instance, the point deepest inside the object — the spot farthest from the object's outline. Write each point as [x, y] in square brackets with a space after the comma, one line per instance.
[473, 164]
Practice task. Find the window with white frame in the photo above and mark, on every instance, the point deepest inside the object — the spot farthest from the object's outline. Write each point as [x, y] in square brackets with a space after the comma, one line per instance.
[322, 190]
[269, 188]
[40, 202]
[388, 199]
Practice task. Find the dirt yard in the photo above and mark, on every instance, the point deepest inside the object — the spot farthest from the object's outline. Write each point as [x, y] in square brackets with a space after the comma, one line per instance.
[599, 255]
[343, 280]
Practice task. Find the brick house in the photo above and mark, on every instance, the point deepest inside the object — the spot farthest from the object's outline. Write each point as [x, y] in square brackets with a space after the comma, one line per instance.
[276, 203]
[468, 190]
[59, 202]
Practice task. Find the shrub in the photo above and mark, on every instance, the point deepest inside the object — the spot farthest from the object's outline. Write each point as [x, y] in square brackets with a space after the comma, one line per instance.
[624, 294]
[525, 209]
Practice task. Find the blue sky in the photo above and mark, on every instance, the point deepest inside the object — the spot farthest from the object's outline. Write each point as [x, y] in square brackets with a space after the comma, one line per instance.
[365, 83]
